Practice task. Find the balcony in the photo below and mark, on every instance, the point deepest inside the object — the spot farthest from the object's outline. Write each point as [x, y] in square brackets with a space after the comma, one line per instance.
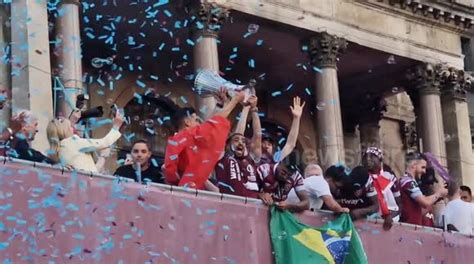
[50, 214]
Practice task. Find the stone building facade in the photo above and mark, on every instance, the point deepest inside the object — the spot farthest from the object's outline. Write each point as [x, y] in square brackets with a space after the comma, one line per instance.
[389, 73]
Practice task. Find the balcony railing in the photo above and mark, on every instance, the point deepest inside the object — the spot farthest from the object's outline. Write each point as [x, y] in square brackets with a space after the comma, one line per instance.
[51, 214]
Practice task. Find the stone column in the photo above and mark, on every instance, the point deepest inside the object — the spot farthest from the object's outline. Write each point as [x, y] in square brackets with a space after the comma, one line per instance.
[5, 82]
[324, 51]
[369, 134]
[206, 56]
[425, 78]
[457, 130]
[68, 32]
[31, 67]
[370, 114]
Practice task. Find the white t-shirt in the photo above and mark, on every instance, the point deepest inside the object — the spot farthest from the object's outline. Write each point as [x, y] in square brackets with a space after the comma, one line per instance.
[461, 215]
[316, 187]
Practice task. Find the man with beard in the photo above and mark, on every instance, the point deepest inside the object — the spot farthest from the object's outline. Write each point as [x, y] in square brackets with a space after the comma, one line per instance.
[413, 200]
[276, 182]
[141, 168]
[385, 183]
[236, 171]
[268, 143]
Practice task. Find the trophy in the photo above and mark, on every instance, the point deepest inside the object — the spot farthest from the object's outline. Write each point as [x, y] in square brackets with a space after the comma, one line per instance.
[208, 83]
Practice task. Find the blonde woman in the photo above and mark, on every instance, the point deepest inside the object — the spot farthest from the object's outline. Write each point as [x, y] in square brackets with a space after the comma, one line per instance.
[72, 150]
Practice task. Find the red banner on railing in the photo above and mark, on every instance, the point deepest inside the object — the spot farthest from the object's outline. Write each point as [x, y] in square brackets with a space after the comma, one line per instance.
[49, 216]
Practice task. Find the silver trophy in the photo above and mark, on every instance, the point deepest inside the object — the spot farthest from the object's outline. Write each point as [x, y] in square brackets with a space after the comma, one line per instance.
[208, 83]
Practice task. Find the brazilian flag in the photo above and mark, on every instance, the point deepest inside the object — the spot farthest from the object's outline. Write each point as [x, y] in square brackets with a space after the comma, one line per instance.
[293, 242]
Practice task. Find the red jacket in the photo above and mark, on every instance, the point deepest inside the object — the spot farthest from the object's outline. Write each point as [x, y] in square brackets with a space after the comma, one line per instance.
[192, 154]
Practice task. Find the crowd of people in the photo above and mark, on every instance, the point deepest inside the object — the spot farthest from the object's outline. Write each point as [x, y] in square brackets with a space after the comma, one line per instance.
[207, 155]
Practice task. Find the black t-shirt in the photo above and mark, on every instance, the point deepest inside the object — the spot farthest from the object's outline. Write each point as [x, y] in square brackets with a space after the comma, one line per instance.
[152, 173]
[22, 150]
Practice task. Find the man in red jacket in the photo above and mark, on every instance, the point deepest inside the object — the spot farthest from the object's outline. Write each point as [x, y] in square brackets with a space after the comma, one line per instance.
[193, 152]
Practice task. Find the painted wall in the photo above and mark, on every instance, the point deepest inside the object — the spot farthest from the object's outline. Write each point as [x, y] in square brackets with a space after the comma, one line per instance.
[97, 220]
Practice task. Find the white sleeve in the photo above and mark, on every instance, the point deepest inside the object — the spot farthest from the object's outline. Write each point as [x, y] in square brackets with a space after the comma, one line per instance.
[91, 144]
[317, 186]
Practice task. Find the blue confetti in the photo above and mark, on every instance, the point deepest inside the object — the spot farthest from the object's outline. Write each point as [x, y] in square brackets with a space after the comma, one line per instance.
[316, 69]
[211, 211]
[276, 93]
[187, 203]
[167, 13]
[4, 245]
[140, 83]
[252, 63]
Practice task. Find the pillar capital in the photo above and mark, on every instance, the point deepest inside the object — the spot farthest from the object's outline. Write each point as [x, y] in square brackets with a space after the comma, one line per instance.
[210, 18]
[325, 50]
[426, 78]
[455, 83]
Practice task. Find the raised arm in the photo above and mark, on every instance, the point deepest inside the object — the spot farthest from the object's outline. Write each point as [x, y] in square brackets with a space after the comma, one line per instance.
[240, 128]
[90, 144]
[297, 111]
[228, 108]
[257, 129]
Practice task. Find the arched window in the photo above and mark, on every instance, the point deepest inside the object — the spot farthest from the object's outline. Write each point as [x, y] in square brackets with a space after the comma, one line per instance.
[150, 119]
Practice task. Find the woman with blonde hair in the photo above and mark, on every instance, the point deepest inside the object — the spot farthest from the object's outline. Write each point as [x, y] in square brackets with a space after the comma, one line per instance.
[74, 151]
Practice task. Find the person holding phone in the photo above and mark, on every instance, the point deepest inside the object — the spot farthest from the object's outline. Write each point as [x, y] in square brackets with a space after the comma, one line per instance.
[74, 151]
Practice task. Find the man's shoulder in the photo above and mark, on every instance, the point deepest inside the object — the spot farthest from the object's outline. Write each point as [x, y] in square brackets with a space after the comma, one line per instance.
[314, 180]
[407, 181]
[152, 168]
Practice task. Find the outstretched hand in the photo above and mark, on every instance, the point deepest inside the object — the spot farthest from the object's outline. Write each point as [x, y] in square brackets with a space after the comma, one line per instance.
[297, 108]
[221, 96]
[253, 100]
[266, 198]
[239, 97]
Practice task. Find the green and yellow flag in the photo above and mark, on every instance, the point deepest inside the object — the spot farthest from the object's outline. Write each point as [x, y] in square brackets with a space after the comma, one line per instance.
[293, 242]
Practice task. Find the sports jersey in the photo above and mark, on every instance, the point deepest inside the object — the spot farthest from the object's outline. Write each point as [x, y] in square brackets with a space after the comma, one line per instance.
[347, 197]
[237, 176]
[192, 153]
[270, 184]
[411, 210]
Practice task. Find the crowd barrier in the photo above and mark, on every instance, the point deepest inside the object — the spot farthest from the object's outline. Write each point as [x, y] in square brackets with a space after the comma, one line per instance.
[57, 216]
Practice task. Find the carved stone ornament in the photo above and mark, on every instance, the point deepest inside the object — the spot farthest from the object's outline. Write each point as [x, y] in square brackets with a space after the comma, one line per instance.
[426, 78]
[408, 135]
[456, 83]
[211, 17]
[326, 49]
[441, 9]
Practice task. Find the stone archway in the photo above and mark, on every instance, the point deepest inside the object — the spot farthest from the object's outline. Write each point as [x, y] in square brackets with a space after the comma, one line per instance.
[149, 117]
